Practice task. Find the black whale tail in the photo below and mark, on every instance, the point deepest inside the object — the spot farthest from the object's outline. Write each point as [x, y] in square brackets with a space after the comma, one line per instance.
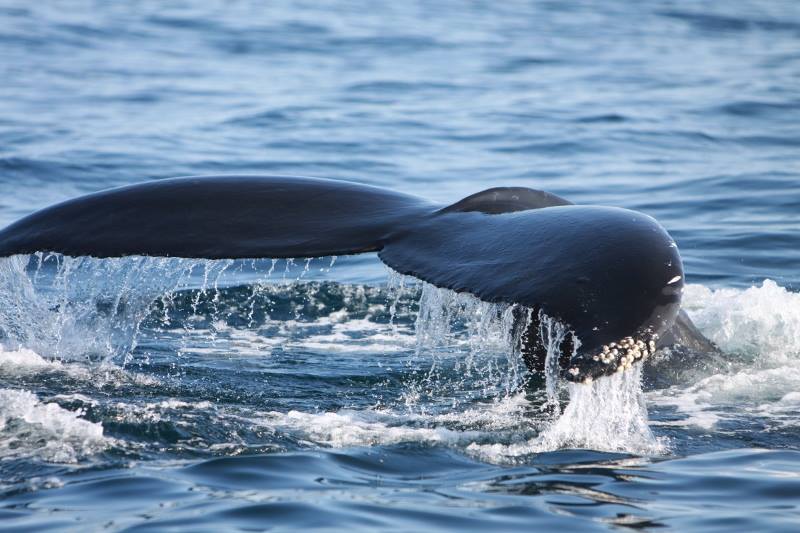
[218, 217]
[612, 275]
[231, 217]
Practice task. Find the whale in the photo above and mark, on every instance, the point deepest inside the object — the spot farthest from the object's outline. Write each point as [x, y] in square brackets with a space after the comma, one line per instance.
[612, 276]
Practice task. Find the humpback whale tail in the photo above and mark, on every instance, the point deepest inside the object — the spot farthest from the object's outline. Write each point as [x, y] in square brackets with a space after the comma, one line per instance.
[218, 218]
[614, 276]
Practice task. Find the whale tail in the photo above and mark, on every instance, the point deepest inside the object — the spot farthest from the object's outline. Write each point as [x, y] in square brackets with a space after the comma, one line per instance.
[231, 217]
[610, 274]
[218, 217]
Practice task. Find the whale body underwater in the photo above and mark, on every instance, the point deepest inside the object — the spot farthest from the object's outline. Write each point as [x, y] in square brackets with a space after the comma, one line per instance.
[612, 276]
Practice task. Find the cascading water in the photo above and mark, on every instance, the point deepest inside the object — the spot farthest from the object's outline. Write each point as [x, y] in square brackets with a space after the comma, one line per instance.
[456, 358]
[64, 307]
[459, 334]
[609, 414]
[552, 333]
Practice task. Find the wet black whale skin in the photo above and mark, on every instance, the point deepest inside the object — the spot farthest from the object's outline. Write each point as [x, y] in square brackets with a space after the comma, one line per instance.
[605, 271]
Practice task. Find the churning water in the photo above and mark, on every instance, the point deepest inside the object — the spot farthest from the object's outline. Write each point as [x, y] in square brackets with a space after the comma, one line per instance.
[151, 393]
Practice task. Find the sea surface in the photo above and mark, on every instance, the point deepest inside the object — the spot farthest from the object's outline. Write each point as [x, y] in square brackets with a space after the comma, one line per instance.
[166, 394]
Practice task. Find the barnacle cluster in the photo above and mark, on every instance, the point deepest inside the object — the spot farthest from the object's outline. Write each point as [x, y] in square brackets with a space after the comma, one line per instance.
[619, 356]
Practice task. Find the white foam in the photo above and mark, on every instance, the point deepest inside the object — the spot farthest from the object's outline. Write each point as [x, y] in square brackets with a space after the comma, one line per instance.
[358, 428]
[782, 413]
[507, 414]
[607, 415]
[46, 431]
[692, 404]
[24, 361]
[153, 412]
[704, 403]
[371, 427]
[341, 334]
[359, 335]
[762, 321]
[761, 326]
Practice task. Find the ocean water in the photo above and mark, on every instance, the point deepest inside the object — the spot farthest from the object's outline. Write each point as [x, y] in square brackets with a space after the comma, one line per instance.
[168, 394]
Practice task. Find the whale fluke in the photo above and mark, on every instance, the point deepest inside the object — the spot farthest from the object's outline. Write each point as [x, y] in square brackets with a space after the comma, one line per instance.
[218, 217]
[612, 275]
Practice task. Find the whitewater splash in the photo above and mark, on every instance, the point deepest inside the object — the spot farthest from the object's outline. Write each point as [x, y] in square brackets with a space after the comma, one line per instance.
[759, 330]
[460, 379]
[761, 323]
[465, 352]
[485, 410]
[30, 428]
[63, 306]
[609, 414]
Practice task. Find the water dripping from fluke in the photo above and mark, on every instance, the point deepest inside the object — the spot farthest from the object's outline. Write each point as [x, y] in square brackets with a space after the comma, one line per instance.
[79, 308]
[464, 356]
[608, 414]
[465, 350]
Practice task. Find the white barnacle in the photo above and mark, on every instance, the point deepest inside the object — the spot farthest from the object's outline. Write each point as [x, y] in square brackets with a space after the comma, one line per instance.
[574, 371]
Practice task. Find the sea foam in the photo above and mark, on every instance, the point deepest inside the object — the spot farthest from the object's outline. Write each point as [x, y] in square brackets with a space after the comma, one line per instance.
[47, 431]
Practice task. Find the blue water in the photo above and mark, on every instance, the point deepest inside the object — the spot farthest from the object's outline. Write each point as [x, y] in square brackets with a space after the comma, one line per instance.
[189, 395]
